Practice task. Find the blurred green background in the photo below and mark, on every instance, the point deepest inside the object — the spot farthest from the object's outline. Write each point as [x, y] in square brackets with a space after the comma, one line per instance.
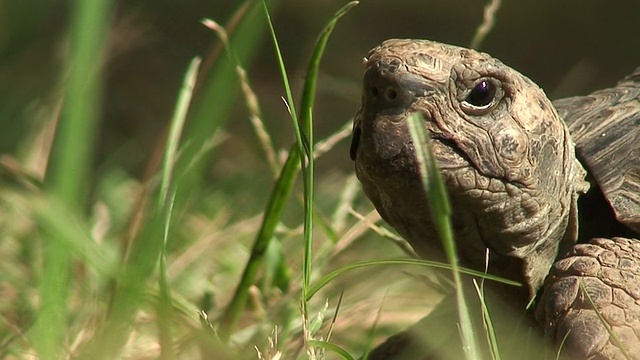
[567, 47]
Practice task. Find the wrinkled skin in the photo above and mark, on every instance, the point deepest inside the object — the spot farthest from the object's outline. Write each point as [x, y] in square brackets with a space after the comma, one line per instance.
[513, 179]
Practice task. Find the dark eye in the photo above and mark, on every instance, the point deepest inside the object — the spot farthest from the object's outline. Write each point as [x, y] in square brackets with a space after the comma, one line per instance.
[485, 94]
[482, 94]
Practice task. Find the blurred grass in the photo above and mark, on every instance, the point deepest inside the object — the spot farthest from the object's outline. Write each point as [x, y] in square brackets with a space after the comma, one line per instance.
[69, 168]
[139, 285]
[210, 111]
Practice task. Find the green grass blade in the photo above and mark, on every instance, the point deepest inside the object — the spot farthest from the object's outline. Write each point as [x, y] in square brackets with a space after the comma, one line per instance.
[273, 212]
[301, 141]
[75, 235]
[165, 304]
[303, 129]
[561, 346]
[73, 148]
[71, 157]
[492, 340]
[306, 119]
[309, 92]
[320, 283]
[440, 212]
[272, 215]
[332, 347]
[166, 201]
[286, 84]
[614, 337]
[175, 131]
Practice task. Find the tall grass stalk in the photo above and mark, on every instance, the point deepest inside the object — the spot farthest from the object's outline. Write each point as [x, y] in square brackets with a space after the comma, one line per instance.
[487, 321]
[271, 218]
[212, 105]
[303, 130]
[251, 99]
[166, 199]
[488, 21]
[68, 172]
[440, 212]
[306, 120]
[300, 153]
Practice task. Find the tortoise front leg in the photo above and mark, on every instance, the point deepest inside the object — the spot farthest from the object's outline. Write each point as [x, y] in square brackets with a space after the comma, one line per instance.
[590, 305]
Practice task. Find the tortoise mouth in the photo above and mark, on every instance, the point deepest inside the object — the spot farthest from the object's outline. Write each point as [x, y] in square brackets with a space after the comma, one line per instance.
[448, 154]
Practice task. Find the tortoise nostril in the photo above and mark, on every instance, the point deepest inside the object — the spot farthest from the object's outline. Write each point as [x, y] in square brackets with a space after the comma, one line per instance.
[387, 88]
[391, 94]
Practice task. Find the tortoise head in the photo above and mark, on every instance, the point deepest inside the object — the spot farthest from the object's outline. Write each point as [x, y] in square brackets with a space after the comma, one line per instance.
[506, 156]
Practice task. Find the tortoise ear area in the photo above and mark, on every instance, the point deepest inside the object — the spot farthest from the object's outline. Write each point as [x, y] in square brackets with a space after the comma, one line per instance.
[355, 141]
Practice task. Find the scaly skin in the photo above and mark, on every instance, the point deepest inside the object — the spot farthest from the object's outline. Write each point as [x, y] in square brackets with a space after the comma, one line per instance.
[509, 166]
[608, 270]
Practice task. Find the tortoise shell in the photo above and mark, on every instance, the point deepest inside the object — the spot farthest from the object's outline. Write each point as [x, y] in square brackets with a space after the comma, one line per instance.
[605, 127]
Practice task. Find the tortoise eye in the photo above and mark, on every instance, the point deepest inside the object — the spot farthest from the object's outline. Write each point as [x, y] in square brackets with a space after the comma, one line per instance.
[482, 94]
[482, 97]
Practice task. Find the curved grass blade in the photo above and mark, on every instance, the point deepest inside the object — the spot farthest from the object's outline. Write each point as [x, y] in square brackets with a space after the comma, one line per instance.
[306, 118]
[332, 347]
[415, 262]
[166, 199]
[614, 337]
[305, 139]
[175, 131]
[308, 96]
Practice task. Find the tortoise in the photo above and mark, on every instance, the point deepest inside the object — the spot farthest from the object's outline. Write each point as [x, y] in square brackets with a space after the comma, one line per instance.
[550, 190]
